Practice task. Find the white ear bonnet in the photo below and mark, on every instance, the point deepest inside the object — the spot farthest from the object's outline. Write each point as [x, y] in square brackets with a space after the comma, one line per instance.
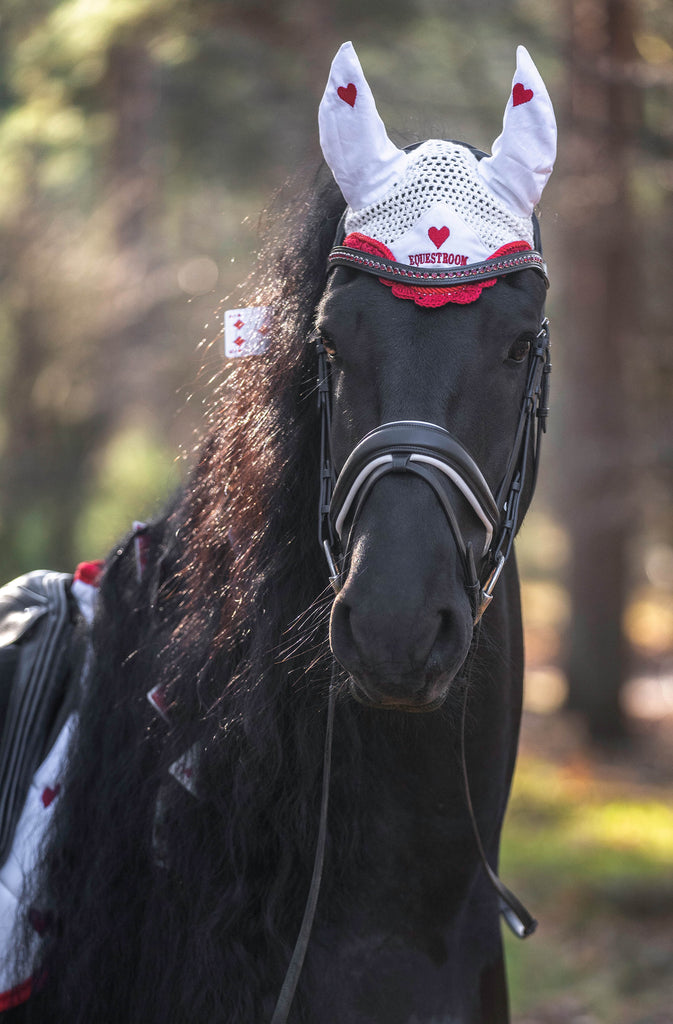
[437, 204]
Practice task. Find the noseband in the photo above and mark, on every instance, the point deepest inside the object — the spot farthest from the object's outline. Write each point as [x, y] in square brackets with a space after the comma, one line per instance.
[428, 451]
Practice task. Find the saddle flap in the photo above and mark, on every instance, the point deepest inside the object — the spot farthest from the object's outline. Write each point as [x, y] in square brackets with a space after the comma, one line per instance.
[34, 609]
[23, 602]
[16, 624]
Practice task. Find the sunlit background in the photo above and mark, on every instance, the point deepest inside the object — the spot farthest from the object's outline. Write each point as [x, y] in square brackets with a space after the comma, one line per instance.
[141, 140]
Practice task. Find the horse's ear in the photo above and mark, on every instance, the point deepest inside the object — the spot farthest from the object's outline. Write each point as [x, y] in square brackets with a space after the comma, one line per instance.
[363, 160]
[524, 152]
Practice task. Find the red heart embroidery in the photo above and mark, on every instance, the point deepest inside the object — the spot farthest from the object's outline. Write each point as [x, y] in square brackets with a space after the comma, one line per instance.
[49, 794]
[438, 235]
[521, 95]
[348, 93]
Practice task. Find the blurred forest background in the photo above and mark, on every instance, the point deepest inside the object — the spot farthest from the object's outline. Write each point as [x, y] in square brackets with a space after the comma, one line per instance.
[140, 140]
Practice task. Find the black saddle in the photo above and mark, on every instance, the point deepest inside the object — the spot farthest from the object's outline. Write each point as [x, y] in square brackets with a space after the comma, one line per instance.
[42, 645]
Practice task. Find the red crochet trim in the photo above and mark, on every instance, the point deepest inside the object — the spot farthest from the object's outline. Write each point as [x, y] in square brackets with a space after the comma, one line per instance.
[15, 996]
[430, 297]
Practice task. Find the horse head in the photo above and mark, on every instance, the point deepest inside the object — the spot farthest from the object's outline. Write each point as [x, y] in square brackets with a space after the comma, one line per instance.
[432, 324]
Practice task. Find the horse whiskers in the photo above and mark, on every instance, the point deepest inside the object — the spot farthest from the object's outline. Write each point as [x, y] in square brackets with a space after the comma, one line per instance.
[303, 647]
[307, 632]
[317, 607]
[300, 648]
[323, 656]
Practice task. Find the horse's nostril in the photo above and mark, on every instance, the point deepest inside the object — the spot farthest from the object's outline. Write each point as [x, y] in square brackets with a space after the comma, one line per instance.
[374, 640]
[442, 648]
[341, 634]
[447, 629]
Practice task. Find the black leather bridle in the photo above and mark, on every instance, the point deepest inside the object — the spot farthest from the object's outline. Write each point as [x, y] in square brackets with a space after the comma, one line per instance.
[429, 451]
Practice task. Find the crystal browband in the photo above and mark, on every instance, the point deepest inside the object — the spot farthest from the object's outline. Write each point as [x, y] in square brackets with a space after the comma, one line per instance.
[342, 255]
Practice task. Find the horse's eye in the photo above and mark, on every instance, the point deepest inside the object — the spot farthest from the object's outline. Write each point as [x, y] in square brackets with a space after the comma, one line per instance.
[329, 346]
[520, 348]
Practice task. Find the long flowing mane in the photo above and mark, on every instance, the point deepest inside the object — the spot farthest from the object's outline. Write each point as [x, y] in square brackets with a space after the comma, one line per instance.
[232, 565]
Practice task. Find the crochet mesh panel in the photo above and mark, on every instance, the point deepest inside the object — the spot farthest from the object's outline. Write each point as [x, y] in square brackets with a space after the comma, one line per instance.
[440, 171]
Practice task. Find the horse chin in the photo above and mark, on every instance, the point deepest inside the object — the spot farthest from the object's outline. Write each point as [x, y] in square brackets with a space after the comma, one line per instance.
[430, 700]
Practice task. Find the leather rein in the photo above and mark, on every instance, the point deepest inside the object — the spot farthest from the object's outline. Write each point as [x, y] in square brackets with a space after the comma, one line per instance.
[432, 453]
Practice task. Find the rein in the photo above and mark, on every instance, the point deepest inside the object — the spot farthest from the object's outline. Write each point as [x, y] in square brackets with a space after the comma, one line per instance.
[297, 962]
[518, 919]
[431, 452]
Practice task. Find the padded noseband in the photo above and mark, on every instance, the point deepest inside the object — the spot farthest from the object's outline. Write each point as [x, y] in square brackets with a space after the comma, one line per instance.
[428, 451]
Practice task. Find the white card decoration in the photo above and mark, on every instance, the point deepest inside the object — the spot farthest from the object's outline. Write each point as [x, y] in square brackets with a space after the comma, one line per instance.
[246, 331]
[141, 548]
[185, 769]
[157, 698]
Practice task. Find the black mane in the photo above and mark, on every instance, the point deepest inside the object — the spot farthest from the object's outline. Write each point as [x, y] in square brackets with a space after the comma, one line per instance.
[232, 566]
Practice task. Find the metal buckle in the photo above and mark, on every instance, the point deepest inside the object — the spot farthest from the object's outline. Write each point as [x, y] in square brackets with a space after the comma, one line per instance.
[331, 565]
[487, 590]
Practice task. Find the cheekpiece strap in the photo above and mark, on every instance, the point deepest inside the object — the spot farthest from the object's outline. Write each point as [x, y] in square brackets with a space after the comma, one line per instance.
[343, 255]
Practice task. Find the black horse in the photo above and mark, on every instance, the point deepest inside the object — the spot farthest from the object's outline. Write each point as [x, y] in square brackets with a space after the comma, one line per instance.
[169, 903]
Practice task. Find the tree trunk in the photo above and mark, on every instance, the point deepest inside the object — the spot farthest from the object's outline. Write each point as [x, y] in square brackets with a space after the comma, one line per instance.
[43, 467]
[600, 257]
[51, 446]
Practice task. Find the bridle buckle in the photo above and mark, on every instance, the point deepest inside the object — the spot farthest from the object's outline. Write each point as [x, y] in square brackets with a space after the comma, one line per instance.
[331, 566]
[486, 595]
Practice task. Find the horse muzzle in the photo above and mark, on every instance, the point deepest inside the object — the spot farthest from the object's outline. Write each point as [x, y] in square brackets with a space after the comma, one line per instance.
[403, 649]
[402, 653]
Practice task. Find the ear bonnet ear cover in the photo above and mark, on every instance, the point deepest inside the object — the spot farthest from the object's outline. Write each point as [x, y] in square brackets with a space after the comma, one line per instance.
[436, 204]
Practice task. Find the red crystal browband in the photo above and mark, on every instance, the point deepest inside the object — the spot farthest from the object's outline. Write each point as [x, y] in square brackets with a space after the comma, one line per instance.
[342, 255]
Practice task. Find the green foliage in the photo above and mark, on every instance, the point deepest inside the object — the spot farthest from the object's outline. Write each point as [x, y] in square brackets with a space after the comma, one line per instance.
[137, 136]
[557, 820]
[592, 859]
[134, 477]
